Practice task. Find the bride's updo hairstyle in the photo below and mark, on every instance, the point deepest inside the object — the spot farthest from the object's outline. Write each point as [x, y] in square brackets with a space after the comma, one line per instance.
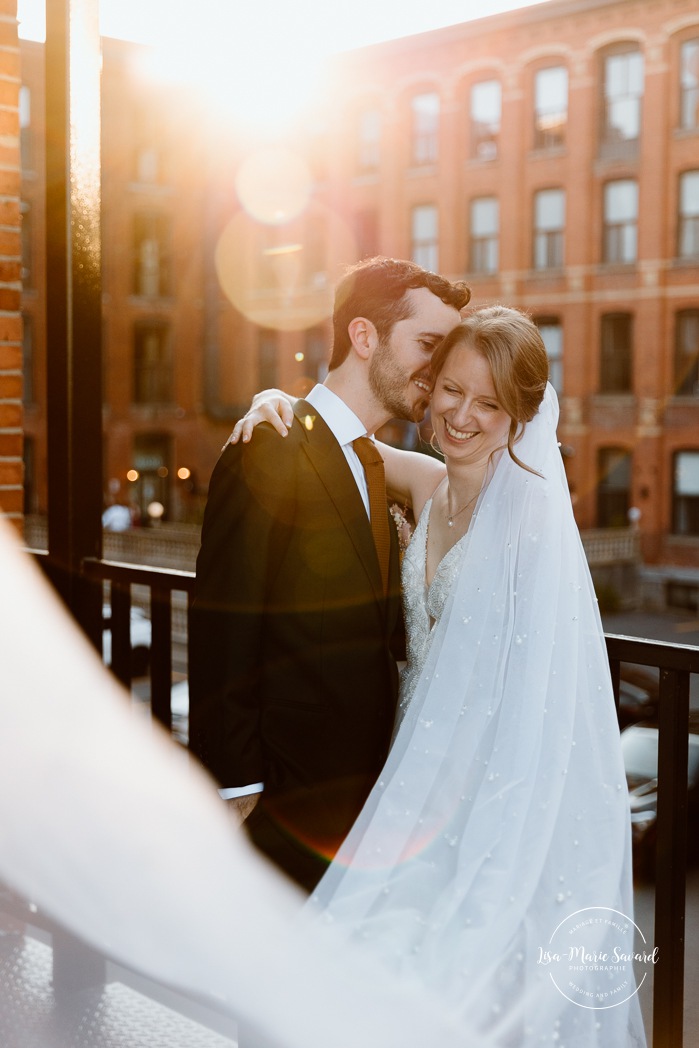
[511, 344]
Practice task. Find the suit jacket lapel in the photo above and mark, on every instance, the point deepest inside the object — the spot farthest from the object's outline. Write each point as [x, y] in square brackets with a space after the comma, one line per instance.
[330, 463]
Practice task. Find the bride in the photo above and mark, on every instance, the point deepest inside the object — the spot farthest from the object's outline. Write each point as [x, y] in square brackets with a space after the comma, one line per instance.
[492, 862]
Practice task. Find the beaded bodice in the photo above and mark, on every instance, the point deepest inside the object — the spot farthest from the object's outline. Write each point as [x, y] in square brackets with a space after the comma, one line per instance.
[424, 604]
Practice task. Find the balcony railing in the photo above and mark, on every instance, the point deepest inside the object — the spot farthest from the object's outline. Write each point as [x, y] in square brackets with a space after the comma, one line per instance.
[162, 583]
[675, 663]
[611, 546]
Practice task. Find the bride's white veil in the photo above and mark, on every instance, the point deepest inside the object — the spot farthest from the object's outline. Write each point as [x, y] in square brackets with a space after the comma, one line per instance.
[502, 808]
[103, 827]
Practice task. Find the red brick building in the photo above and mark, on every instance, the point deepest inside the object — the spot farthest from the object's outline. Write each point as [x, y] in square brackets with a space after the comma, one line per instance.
[550, 156]
[11, 469]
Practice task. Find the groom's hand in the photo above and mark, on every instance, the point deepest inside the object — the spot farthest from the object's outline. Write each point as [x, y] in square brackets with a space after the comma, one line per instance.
[240, 807]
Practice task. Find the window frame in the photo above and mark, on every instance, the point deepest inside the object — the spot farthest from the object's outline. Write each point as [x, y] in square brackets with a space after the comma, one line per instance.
[152, 277]
[613, 501]
[424, 129]
[153, 380]
[614, 232]
[687, 222]
[688, 93]
[551, 239]
[613, 143]
[616, 346]
[484, 145]
[368, 146]
[424, 249]
[688, 386]
[544, 138]
[554, 354]
[481, 247]
[679, 506]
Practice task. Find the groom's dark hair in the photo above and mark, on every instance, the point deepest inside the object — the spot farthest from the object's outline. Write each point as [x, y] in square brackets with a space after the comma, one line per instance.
[376, 289]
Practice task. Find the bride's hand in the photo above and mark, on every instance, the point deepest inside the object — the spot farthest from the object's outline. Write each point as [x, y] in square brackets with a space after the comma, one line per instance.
[271, 405]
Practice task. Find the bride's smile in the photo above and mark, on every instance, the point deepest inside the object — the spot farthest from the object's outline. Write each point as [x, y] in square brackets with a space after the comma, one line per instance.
[468, 420]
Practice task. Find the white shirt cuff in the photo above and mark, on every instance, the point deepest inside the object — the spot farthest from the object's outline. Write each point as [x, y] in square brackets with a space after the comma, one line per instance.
[231, 792]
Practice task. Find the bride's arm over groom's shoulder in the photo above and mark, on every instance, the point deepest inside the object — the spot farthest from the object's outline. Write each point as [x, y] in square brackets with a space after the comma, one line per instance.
[411, 477]
[270, 405]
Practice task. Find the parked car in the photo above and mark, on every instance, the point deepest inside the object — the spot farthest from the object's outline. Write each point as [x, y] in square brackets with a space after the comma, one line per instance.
[140, 640]
[639, 747]
[638, 694]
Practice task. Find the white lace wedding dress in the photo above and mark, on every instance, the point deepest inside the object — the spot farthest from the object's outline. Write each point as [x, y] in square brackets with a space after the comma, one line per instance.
[500, 825]
[423, 604]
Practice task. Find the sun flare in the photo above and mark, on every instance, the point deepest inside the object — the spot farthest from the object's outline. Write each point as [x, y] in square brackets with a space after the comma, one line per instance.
[259, 65]
[250, 73]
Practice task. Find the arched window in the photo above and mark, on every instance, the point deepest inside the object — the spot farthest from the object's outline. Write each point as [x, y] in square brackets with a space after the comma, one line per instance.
[486, 112]
[621, 85]
[550, 107]
[425, 128]
[689, 84]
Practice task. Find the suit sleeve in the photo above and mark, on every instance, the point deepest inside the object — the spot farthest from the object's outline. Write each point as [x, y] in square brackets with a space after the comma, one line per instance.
[246, 527]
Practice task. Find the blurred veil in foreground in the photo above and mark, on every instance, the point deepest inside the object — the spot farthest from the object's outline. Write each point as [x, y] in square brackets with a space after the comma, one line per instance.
[105, 828]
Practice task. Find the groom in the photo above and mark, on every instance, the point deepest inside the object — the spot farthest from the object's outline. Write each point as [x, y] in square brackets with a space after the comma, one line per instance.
[292, 681]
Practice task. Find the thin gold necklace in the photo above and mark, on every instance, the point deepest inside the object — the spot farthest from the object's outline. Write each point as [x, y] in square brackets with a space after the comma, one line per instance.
[450, 515]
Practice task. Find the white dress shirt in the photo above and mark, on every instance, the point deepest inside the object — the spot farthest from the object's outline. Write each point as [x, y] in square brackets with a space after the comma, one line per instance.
[345, 427]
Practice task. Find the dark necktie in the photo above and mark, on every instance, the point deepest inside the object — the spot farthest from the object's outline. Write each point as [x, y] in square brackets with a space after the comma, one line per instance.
[372, 462]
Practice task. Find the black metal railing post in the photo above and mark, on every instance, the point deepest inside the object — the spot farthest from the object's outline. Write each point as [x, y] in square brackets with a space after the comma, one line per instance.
[120, 629]
[671, 858]
[161, 655]
[73, 303]
[74, 349]
[676, 662]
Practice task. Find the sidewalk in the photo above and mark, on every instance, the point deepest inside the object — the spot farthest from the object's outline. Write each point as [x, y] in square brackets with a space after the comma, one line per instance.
[677, 627]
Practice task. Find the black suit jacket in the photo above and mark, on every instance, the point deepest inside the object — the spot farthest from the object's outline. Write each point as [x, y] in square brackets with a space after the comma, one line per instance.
[292, 678]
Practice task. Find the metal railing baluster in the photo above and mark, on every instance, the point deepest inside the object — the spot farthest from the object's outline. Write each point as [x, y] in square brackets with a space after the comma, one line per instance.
[671, 858]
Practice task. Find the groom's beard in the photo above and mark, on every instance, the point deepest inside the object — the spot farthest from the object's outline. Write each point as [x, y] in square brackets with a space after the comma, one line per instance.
[394, 386]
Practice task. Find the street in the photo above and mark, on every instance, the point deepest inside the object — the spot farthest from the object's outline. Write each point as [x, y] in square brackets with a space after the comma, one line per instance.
[676, 627]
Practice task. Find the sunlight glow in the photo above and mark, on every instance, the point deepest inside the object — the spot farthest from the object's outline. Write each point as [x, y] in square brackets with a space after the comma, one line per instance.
[329, 27]
[261, 62]
[274, 274]
[260, 84]
[274, 185]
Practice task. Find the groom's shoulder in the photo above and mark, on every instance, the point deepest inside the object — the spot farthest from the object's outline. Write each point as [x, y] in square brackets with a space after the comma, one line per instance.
[265, 444]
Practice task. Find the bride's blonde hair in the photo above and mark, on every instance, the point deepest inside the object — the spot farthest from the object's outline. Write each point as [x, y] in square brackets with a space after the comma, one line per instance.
[512, 345]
